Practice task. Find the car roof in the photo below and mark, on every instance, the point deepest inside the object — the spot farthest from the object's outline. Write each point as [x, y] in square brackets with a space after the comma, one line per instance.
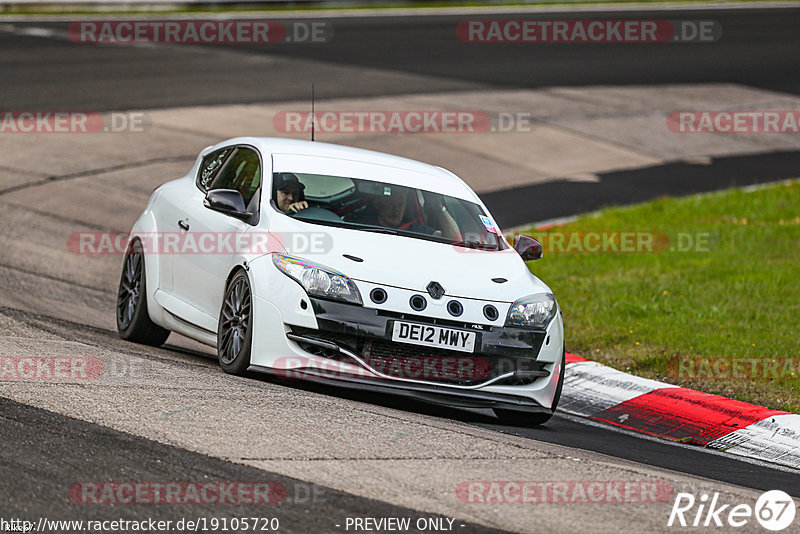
[296, 155]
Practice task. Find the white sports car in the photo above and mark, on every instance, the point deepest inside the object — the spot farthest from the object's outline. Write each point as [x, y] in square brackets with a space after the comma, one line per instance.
[349, 267]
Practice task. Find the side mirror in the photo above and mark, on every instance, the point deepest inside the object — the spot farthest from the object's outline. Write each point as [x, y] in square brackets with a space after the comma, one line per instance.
[529, 248]
[227, 201]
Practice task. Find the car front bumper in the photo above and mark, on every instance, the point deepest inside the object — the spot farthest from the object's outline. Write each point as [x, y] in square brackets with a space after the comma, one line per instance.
[282, 310]
[511, 368]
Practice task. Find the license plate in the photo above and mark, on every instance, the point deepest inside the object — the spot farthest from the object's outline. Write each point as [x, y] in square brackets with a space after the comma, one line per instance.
[433, 336]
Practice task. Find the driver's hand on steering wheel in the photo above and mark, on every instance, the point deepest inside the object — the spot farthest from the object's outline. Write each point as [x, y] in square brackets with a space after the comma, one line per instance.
[297, 206]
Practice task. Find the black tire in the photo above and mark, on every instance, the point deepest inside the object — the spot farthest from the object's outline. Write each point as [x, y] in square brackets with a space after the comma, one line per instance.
[521, 418]
[235, 330]
[133, 319]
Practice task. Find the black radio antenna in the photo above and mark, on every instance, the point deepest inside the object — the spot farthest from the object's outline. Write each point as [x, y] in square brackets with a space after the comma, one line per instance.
[312, 112]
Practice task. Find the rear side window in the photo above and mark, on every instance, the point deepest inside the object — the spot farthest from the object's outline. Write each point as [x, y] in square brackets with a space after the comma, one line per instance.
[210, 166]
[242, 172]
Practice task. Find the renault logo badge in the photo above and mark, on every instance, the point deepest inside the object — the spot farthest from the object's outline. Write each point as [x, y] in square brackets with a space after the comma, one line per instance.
[435, 290]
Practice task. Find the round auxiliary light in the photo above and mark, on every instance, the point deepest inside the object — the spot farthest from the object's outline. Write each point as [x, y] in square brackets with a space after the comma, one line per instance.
[455, 308]
[378, 295]
[418, 303]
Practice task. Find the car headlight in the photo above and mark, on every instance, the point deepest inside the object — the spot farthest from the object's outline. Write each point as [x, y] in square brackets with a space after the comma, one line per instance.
[318, 280]
[532, 311]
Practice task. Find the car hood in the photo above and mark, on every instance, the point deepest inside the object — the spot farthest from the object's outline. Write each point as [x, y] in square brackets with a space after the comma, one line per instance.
[412, 264]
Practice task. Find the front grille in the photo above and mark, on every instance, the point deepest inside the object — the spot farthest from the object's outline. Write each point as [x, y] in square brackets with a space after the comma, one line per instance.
[401, 360]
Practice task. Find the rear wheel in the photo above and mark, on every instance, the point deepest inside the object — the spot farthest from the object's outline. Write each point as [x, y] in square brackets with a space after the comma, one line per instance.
[133, 320]
[520, 418]
[235, 332]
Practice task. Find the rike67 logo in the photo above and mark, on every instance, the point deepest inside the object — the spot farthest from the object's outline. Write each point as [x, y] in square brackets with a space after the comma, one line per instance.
[774, 510]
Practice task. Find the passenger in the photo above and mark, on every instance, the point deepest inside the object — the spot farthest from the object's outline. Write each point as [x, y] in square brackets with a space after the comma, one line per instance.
[391, 209]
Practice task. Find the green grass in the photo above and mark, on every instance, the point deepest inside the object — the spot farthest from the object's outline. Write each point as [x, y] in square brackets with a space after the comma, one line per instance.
[740, 298]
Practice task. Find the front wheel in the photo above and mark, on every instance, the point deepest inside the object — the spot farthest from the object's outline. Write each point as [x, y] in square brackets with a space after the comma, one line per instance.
[519, 418]
[133, 320]
[235, 330]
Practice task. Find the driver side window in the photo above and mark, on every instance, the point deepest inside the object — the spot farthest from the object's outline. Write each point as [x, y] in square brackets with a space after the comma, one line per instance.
[242, 173]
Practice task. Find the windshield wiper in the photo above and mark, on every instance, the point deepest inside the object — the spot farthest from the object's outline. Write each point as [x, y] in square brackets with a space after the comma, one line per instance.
[475, 244]
[378, 229]
[368, 228]
[351, 225]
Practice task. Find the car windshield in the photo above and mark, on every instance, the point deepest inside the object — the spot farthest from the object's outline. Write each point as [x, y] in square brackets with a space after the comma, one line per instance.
[374, 206]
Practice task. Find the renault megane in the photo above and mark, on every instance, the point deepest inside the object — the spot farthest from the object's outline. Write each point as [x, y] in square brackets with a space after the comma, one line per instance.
[346, 266]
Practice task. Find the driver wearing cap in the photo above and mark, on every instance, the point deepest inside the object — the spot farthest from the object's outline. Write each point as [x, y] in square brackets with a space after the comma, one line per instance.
[289, 194]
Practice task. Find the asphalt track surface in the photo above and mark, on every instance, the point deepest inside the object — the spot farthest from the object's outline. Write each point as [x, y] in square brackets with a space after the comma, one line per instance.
[565, 198]
[63, 450]
[60, 452]
[759, 49]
